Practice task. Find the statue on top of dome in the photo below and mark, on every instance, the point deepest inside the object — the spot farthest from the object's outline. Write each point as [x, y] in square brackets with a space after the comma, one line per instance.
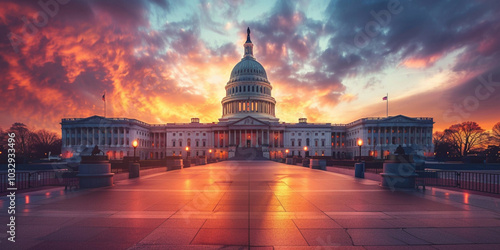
[248, 35]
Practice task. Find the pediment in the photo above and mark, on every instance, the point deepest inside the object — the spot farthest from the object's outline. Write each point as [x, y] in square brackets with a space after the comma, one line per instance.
[94, 119]
[91, 120]
[400, 118]
[249, 121]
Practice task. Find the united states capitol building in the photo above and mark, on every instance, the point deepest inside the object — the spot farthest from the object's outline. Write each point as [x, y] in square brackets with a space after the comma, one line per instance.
[248, 121]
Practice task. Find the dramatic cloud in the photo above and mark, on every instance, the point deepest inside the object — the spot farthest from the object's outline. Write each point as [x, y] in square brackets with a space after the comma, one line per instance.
[161, 61]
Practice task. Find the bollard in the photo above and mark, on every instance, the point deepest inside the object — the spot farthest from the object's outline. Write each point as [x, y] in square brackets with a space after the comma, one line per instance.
[134, 170]
[359, 170]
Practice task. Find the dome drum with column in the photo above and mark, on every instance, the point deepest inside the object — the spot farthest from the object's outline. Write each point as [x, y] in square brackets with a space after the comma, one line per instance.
[248, 91]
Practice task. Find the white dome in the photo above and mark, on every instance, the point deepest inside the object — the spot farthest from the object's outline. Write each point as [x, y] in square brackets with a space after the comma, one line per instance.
[248, 69]
[248, 91]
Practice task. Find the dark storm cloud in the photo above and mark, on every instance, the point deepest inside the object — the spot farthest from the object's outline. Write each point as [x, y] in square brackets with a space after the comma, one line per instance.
[417, 34]
[287, 41]
[89, 47]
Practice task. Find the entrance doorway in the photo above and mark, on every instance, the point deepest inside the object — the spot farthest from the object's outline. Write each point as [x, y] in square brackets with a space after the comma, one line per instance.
[248, 143]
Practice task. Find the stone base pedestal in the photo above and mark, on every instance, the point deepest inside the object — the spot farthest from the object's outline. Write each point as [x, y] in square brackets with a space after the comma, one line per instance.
[305, 162]
[203, 161]
[289, 161]
[398, 173]
[95, 172]
[187, 163]
[174, 163]
[134, 170]
[317, 164]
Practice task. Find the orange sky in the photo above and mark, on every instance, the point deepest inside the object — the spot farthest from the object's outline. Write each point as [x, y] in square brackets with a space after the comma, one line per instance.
[173, 68]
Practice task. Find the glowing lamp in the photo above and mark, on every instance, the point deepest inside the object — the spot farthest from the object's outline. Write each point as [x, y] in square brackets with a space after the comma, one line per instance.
[360, 143]
[134, 144]
[306, 148]
[286, 151]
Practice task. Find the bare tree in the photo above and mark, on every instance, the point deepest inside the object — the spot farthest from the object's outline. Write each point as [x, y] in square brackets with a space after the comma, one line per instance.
[45, 142]
[495, 134]
[438, 137]
[465, 136]
[24, 139]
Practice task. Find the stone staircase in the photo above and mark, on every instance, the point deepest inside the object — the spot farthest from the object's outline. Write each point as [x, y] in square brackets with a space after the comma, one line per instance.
[248, 154]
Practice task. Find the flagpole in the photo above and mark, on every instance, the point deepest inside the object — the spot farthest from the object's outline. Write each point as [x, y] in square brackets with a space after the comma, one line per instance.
[104, 99]
[387, 110]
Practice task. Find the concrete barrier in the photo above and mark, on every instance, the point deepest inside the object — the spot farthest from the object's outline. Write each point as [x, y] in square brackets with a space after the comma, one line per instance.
[399, 172]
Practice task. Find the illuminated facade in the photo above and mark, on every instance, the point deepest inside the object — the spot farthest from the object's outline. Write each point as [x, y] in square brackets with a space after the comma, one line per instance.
[248, 120]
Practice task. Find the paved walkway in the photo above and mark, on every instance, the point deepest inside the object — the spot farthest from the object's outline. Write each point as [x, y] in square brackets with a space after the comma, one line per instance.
[262, 204]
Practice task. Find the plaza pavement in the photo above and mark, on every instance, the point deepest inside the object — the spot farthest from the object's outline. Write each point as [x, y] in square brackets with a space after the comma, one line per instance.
[262, 204]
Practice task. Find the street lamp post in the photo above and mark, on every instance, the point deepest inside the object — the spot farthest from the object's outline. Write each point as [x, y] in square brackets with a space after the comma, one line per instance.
[134, 167]
[306, 152]
[134, 144]
[187, 152]
[360, 143]
[286, 152]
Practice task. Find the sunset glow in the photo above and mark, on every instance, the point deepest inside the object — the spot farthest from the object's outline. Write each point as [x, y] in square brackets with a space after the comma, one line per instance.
[162, 61]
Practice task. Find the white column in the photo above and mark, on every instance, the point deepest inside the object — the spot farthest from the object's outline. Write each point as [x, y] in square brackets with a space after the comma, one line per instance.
[262, 137]
[373, 144]
[389, 135]
[99, 136]
[123, 137]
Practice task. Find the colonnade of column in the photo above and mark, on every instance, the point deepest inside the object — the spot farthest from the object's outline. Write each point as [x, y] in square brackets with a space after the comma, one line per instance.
[248, 138]
[248, 106]
[398, 135]
[89, 136]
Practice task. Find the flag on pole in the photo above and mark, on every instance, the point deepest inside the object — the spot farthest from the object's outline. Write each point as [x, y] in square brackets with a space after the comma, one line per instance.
[104, 97]
[384, 99]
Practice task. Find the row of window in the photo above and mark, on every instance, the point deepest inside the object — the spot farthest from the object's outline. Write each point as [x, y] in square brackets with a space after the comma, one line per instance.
[189, 134]
[400, 130]
[197, 143]
[248, 88]
[249, 71]
[299, 142]
[315, 134]
[394, 141]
